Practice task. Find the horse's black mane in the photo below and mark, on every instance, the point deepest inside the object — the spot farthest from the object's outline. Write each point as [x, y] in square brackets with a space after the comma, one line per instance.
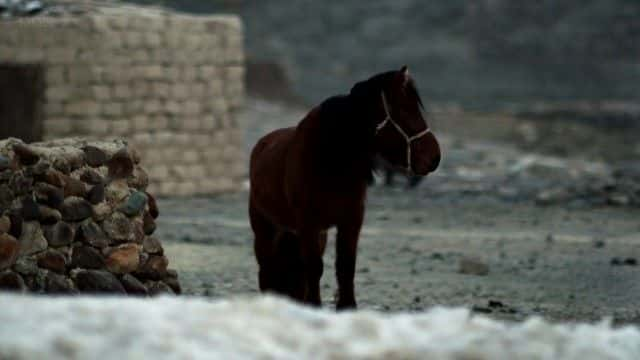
[348, 124]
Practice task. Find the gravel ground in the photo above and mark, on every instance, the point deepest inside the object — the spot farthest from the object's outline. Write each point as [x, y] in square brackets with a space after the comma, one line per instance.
[566, 259]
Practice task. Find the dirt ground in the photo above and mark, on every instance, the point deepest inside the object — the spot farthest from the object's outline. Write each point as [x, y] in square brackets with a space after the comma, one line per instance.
[557, 230]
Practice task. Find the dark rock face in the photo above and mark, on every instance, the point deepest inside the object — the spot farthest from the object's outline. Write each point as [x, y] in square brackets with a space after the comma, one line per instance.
[26, 266]
[5, 163]
[92, 234]
[133, 285]
[49, 195]
[95, 157]
[155, 268]
[97, 281]
[32, 239]
[153, 206]
[148, 223]
[11, 281]
[152, 245]
[5, 224]
[60, 234]
[74, 187]
[52, 260]
[158, 288]
[25, 154]
[30, 210]
[86, 257]
[8, 251]
[96, 194]
[59, 284]
[91, 177]
[120, 165]
[75, 209]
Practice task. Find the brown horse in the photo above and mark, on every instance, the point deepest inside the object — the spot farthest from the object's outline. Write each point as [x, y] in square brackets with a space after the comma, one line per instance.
[314, 176]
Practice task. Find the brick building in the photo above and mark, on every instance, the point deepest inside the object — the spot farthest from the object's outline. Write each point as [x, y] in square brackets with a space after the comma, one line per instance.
[171, 84]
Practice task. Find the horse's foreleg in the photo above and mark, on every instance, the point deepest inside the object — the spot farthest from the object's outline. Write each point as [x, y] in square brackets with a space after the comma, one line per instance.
[312, 246]
[346, 252]
[264, 245]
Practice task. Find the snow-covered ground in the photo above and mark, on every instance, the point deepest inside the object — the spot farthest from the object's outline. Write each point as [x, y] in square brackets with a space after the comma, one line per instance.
[272, 328]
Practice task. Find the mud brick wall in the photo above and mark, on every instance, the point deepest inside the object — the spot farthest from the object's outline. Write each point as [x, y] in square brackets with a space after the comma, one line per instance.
[170, 84]
[75, 216]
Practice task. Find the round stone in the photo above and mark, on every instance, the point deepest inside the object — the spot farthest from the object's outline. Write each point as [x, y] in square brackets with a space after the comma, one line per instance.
[9, 248]
[124, 259]
[60, 234]
[133, 285]
[118, 227]
[52, 260]
[76, 209]
[86, 257]
[32, 239]
[96, 281]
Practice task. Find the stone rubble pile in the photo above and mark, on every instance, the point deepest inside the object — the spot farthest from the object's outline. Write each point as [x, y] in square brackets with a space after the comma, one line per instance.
[75, 217]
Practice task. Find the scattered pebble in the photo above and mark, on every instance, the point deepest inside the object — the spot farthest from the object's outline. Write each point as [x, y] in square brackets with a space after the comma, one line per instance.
[473, 266]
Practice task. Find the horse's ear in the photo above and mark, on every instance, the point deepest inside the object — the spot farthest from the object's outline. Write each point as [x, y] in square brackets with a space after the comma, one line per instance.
[404, 72]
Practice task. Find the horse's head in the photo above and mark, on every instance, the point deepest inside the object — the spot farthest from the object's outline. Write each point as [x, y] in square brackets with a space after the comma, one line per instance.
[403, 136]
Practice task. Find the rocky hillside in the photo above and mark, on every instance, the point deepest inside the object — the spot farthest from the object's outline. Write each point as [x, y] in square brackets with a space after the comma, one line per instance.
[475, 53]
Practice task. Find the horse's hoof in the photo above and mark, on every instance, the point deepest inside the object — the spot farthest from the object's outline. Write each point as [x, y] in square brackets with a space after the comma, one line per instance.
[346, 306]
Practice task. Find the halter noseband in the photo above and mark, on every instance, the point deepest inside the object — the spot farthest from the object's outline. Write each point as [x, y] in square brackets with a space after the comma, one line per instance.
[407, 138]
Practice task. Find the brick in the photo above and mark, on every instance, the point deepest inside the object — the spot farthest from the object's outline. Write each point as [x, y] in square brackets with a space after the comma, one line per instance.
[191, 156]
[158, 172]
[159, 90]
[206, 72]
[58, 93]
[83, 108]
[197, 90]
[57, 126]
[55, 75]
[53, 109]
[152, 72]
[140, 123]
[153, 107]
[93, 126]
[120, 127]
[100, 92]
[172, 107]
[122, 92]
[80, 75]
[189, 73]
[191, 124]
[160, 123]
[140, 56]
[152, 39]
[179, 91]
[113, 109]
[140, 89]
[61, 55]
[192, 107]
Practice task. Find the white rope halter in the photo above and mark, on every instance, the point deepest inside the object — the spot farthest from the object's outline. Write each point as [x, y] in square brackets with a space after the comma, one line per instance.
[407, 138]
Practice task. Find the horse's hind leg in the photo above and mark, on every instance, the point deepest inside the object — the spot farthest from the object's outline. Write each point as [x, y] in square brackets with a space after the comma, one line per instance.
[264, 245]
[290, 279]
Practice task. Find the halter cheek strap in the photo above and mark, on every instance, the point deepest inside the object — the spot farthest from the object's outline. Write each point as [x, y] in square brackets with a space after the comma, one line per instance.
[407, 138]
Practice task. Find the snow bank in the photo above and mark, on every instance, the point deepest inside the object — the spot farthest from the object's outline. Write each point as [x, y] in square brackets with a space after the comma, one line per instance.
[267, 327]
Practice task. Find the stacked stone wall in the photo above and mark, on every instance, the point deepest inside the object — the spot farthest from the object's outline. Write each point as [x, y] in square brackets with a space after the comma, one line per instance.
[170, 84]
[75, 216]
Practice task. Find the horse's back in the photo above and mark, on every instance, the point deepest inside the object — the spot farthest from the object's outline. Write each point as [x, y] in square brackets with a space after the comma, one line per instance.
[271, 147]
[267, 173]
